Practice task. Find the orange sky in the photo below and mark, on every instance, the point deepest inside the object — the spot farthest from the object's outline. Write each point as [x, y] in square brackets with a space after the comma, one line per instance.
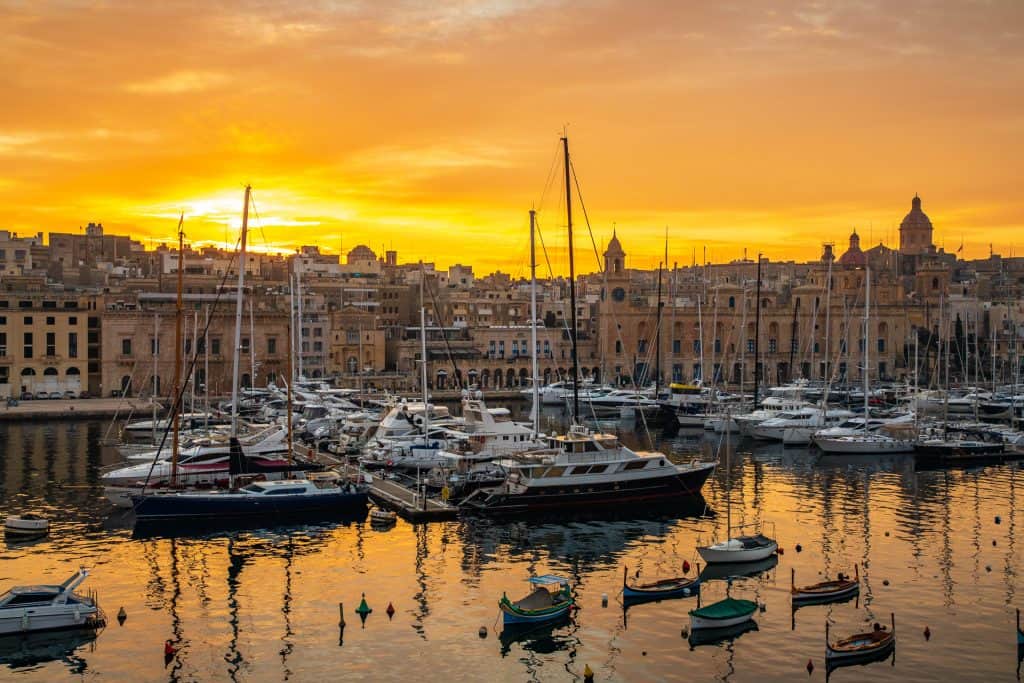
[431, 127]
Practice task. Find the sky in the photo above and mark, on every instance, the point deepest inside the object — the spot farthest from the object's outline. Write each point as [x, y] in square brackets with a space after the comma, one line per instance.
[433, 127]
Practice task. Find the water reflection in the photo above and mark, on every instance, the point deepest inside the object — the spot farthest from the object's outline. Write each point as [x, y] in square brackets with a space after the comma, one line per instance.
[34, 649]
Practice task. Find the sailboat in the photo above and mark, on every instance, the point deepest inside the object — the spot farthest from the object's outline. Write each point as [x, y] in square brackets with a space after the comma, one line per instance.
[585, 469]
[319, 494]
[739, 548]
[867, 442]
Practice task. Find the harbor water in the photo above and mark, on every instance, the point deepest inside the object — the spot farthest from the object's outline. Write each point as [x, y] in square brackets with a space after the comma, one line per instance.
[937, 548]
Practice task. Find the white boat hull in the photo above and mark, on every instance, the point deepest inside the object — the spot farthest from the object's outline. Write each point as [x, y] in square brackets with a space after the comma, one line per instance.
[798, 436]
[713, 555]
[703, 623]
[45, 618]
[853, 446]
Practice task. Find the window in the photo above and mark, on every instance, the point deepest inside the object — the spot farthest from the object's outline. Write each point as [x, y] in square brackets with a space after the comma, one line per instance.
[318, 347]
[126, 347]
[5, 375]
[794, 345]
[271, 345]
[352, 336]
[3, 319]
[732, 302]
[318, 332]
[773, 344]
[750, 346]
[93, 337]
[618, 346]
[677, 346]
[72, 345]
[3, 344]
[718, 346]
[28, 320]
[642, 346]
[28, 345]
[154, 346]
[51, 343]
[50, 320]
[696, 345]
[73, 320]
[245, 345]
[215, 347]
[881, 345]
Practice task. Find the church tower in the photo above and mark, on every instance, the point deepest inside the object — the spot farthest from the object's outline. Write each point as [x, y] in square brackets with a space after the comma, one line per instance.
[916, 231]
[614, 258]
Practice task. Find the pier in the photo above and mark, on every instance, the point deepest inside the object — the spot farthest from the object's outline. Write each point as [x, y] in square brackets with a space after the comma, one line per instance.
[75, 409]
[407, 503]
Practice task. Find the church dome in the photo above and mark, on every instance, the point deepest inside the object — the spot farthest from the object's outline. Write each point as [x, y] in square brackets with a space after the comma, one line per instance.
[854, 256]
[916, 219]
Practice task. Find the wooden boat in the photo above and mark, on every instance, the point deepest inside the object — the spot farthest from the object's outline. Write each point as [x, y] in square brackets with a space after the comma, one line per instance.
[722, 614]
[26, 526]
[862, 645]
[550, 599]
[661, 589]
[840, 588]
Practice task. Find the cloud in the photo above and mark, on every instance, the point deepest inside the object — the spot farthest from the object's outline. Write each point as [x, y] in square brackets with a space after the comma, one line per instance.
[179, 82]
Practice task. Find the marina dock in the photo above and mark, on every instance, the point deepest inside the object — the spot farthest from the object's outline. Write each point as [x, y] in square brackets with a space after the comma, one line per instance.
[76, 409]
[407, 503]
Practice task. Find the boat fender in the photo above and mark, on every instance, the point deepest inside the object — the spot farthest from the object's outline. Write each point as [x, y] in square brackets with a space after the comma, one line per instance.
[810, 667]
[684, 634]
[927, 633]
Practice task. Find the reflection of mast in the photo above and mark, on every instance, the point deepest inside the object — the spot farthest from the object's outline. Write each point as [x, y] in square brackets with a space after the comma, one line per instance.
[947, 546]
[176, 628]
[423, 606]
[286, 609]
[1010, 564]
[236, 562]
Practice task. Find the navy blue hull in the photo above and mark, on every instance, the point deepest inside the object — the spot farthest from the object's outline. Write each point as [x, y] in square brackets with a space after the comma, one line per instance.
[241, 506]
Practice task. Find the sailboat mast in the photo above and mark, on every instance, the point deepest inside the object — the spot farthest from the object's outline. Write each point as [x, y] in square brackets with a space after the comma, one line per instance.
[238, 314]
[423, 371]
[533, 322]
[757, 332]
[572, 287]
[291, 371]
[657, 340]
[175, 403]
[156, 369]
[252, 345]
[867, 342]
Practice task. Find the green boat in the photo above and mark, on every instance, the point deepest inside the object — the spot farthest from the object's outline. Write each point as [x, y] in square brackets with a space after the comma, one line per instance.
[722, 614]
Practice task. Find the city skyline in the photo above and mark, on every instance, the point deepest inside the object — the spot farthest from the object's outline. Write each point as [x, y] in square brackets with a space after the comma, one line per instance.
[772, 128]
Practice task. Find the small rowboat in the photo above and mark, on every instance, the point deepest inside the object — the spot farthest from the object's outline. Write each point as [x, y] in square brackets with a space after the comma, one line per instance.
[841, 588]
[662, 589]
[550, 599]
[383, 517]
[874, 643]
[26, 526]
[722, 614]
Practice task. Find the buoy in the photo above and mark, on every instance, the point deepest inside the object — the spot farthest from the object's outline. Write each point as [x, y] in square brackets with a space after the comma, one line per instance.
[781, 551]
[363, 607]
[993, 543]
[686, 567]
[885, 582]
[798, 548]
[927, 633]
[643, 653]
[886, 533]
[169, 649]
[762, 606]
[390, 610]
[121, 616]
[604, 599]
[810, 667]
[588, 673]
[482, 632]
[988, 567]
[998, 519]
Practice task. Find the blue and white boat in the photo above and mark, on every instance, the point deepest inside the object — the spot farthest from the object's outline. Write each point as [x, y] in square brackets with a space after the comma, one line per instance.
[550, 599]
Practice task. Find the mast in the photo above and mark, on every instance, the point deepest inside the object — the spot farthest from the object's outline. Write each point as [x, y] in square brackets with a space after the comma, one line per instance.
[757, 331]
[238, 314]
[359, 367]
[252, 346]
[572, 287]
[206, 369]
[298, 331]
[867, 341]
[175, 399]
[657, 340]
[156, 368]
[535, 411]
[700, 333]
[423, 371]
[291, 302]
[195, 351]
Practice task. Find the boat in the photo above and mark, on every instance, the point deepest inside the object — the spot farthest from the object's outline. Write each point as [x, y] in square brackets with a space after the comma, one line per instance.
[550, 598]
[25, 609]
[746, 548]
[587, 470]
[942, 452]
[660, 589]
[877, 642]
[840, 588]
[29, 525]
[322, 494]
[725, 613]
[379, 517]
[869, 443]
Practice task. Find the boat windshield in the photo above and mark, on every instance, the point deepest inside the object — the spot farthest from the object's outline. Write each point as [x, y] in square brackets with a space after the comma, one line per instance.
[254, 488]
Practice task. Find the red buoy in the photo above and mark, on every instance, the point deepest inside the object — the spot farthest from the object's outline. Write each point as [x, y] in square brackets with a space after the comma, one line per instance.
[781, 551]
[390, 610]
[686, 566]
[169, 649]
[810, 667]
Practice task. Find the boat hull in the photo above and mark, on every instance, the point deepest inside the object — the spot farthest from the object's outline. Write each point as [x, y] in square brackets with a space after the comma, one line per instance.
[697, 622]
[679, 486]
[512, 616]
[722, 556]
[637, 595]
[821, 598]
[49, 618]
[236, 506]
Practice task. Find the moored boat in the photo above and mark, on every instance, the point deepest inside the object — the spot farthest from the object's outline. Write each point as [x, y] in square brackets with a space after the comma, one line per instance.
[725, 613]
[29, 525]
[26, 609]
[840, 588]
[550, 598]
[660, 589]
[877, 642]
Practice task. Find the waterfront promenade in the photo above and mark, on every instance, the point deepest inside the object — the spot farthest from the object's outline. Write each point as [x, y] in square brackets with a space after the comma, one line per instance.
[75, 409]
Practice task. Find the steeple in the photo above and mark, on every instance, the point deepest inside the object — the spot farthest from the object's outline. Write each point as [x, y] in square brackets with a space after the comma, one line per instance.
[614, 256]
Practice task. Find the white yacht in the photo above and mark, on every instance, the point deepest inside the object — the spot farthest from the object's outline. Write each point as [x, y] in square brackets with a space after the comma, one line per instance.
[774, 429]
[865, 443]
[24, 609]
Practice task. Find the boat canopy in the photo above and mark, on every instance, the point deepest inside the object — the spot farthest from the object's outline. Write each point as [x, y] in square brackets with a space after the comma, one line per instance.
[548, 580]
